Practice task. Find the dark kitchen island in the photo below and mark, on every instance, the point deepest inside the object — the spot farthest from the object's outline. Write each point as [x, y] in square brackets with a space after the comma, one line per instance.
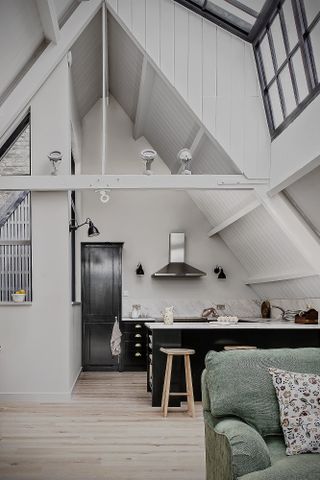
[203, 337]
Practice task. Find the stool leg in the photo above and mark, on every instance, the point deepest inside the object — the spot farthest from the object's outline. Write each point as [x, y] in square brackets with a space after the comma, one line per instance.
[189, 385]
[167, 386]
[165, 382]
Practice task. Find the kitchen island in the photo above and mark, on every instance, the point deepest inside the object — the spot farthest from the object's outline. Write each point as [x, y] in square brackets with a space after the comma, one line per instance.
[203, 337]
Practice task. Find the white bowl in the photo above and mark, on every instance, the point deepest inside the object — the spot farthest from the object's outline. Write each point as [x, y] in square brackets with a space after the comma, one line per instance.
[18, 297]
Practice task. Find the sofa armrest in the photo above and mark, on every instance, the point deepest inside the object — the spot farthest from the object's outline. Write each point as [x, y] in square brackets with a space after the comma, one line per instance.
[241, 449]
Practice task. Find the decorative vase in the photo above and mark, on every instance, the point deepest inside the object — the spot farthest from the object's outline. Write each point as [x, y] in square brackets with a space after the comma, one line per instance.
[168, 315]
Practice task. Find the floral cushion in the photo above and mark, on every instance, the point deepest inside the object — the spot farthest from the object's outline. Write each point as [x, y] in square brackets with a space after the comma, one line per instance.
[299, 402]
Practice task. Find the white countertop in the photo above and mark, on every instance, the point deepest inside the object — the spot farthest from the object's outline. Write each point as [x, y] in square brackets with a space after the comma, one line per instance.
[273, 325]
[140, 319]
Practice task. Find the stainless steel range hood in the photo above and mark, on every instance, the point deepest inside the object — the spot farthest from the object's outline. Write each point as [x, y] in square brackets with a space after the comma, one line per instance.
[177, 266]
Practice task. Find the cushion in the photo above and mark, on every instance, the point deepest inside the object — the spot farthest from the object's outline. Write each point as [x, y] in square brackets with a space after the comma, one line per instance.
[239, 383]
[248, 449]
[299, 403]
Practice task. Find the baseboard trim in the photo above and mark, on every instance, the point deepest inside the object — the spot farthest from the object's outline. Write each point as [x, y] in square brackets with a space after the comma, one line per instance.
[75, 380]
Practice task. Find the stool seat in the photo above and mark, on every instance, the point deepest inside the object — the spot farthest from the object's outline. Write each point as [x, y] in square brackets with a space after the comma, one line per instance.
[177, 351]
[166, 394]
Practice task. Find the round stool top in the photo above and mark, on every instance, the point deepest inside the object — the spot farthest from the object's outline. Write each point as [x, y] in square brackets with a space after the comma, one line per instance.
[177, 351]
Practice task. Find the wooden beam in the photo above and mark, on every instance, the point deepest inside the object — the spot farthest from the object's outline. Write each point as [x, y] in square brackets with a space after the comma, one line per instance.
[280, 278]
[127, 182]
[49, 20]
[45, 64]
[145, 91]
[234, 218]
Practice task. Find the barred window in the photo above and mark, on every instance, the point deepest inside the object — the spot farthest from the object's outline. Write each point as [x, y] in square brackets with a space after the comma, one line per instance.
[15, 217]
[288, 59]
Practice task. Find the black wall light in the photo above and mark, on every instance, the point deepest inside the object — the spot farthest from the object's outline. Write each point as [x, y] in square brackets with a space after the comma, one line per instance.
[219, 271]
[92, 229]
[139, 270]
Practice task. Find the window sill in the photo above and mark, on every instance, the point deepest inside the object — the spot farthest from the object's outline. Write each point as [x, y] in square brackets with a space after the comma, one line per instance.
[15, 304]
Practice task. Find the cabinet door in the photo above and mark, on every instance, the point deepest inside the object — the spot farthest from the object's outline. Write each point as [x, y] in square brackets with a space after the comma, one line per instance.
[97, 351]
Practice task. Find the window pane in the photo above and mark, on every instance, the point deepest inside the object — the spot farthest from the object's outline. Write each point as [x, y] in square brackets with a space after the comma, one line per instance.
[278, 41]
[266, 59]
[16, 160]
[287, 88]
[290, 24]
[312, 8]
[275, 105]
[300, 75]
[315, 42]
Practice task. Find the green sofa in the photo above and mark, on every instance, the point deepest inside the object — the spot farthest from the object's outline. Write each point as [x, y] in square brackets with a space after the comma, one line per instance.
[243, 434]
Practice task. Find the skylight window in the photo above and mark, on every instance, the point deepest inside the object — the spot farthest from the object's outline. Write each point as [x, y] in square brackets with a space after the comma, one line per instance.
[288, 58]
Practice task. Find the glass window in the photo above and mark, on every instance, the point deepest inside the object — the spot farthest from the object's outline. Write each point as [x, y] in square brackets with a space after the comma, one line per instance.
[15, 153]
[278, 42]
[287, 88]
[315, 43]
[290, 24]
[266, 59]
[275, 105]
[312, 8]
[300, 75]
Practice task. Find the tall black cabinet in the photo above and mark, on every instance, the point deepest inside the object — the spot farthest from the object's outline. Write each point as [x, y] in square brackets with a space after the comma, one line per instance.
[101, 280]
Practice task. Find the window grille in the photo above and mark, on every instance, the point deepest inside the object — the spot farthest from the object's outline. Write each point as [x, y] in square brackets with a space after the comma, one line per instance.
[288, 59]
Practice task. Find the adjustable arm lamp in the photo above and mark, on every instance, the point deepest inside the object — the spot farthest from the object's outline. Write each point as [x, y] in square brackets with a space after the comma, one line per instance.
[92, 229]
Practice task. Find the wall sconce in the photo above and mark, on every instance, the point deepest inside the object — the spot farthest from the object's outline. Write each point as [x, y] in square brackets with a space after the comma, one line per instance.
[92, 229]
[139, 270]
[219, 271]
[55, 158]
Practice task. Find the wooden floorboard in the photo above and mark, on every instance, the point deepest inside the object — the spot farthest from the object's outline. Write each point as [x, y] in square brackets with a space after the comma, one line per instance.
[107, 431]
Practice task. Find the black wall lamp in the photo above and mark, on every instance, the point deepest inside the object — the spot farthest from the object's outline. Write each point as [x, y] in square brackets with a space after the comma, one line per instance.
[139, 270]
[92, 229]
[219, 271]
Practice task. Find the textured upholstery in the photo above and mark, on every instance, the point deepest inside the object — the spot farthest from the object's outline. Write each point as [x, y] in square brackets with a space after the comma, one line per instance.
[240, 385]
[233, 448]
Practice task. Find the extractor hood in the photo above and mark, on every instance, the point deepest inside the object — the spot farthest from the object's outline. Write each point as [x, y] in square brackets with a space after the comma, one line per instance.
[177, 266]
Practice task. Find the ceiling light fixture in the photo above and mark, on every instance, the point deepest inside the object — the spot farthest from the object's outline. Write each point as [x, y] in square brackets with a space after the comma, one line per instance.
[185, 158]
[104, 195]
[92, 229]
[148, 155]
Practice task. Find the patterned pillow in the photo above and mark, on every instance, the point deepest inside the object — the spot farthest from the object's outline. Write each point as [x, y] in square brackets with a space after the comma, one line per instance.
[299, 402]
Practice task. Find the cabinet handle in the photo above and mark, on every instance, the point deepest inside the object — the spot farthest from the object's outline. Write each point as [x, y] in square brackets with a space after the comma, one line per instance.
[137, 326]
[138, 354]
[138, 345]
[137, 335]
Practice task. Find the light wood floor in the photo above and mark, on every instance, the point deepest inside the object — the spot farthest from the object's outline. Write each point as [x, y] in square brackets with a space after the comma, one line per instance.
[107, 431]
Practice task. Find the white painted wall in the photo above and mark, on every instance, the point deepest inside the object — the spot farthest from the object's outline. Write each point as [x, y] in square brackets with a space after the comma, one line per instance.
[143, 221]
[213, 70]
[20, 35]
[296, 151]
[36, 357]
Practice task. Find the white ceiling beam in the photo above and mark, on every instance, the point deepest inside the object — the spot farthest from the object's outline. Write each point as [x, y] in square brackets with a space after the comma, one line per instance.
[234, 218]
[127, 182]
[45, 64]
[280, 278]
[49, 20]
[145, 92]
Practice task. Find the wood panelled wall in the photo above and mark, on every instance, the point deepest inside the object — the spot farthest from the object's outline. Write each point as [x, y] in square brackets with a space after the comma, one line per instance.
[213, 70]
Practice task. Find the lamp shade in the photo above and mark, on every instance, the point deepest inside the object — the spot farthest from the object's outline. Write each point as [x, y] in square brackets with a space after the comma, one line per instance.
[221, 274]
[92, 230]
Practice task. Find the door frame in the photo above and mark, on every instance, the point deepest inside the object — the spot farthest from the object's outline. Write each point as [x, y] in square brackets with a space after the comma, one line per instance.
[110, 245]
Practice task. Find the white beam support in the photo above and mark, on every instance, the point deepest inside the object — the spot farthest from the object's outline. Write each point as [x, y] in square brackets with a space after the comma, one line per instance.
[280, 278]
[197, 141]
[127, 182]
[49, 20]
[46, 63]
[145, 91]
[234, 218]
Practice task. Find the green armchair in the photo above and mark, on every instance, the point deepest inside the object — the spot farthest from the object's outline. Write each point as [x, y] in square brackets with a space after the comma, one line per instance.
[243, 435]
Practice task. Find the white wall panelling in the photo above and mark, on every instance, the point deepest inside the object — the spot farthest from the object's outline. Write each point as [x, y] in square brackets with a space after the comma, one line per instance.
[214, 71]
[296, 288]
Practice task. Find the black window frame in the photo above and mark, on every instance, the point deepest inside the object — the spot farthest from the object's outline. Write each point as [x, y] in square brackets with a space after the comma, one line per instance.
[309, 68]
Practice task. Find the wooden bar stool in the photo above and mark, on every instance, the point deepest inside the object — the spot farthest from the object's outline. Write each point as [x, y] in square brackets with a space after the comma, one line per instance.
[172, 352]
